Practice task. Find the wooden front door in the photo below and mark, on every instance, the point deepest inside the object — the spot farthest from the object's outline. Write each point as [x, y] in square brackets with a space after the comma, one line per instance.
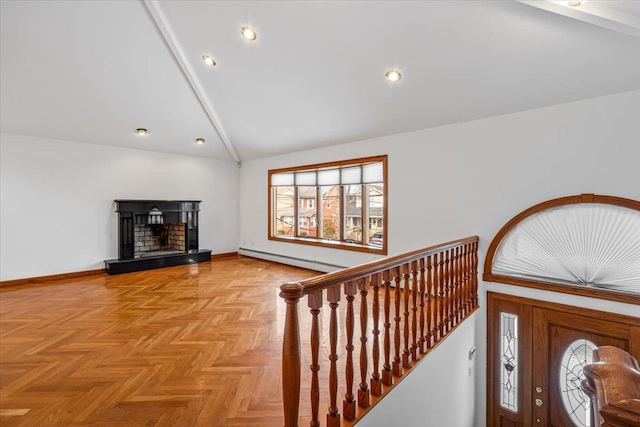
[535, 380]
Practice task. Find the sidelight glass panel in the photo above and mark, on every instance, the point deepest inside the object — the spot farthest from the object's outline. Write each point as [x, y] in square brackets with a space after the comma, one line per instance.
[509, 361]
[575, 401]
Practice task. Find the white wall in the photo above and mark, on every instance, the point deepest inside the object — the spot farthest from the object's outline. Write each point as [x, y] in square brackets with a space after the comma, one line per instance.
[471, 178]
[438, 392]
[57, 213]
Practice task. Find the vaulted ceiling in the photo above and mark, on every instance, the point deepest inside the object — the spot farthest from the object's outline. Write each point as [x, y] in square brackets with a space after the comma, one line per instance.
[94, 71]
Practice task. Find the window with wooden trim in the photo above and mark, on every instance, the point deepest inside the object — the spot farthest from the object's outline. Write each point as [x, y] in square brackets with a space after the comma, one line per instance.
[339, 204]
[585, 245]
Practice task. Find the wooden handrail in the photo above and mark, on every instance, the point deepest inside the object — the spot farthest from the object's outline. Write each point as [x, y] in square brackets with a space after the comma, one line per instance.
[613, 384]
[325, 281]
[424, 295]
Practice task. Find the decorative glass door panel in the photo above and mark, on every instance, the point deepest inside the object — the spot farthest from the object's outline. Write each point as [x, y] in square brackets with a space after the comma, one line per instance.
[576, 402]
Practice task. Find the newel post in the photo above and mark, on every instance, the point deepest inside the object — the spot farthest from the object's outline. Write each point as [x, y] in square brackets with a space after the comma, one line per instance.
[291, 293]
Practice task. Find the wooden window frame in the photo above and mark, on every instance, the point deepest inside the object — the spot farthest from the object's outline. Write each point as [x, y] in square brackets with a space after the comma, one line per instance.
[317, 241]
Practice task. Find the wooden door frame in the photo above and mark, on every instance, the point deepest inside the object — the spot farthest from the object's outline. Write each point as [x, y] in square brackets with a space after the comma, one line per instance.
[494, 299]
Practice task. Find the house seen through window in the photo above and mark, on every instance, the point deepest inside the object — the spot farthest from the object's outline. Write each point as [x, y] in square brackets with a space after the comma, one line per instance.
[340, 204]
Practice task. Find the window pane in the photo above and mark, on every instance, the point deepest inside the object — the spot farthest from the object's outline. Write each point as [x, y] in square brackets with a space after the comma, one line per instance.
[278, 179]
[372, 173]
[284, 225]
[329, 177]
[351, 175]
[331, 224]
[577, 404]
[306, 211]
[376, 213]
[305, 178]
[353, 224]
[509, 361]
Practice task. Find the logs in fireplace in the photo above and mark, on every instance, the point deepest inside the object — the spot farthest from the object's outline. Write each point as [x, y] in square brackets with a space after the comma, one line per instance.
[156, 233]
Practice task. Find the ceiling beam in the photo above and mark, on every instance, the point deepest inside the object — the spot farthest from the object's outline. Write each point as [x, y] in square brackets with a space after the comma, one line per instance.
[596, 13]
[172, 41]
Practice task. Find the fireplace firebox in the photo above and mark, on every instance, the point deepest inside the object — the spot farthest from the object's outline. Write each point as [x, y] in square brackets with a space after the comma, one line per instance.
[156, 233]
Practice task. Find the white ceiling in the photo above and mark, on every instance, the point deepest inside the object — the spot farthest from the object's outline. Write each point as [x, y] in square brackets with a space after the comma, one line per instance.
[94, 71]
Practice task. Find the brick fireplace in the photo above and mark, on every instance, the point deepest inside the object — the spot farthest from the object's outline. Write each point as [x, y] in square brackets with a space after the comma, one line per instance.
[153, 238]
[156, 233]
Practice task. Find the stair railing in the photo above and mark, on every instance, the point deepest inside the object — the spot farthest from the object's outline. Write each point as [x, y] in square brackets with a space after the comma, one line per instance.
[416, 300]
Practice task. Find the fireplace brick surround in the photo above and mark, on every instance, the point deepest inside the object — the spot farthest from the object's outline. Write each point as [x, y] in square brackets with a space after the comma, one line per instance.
[156, 233]
[169, 237]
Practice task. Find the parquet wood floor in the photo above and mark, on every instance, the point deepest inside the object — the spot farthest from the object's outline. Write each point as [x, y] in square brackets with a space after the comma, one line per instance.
[196, 345]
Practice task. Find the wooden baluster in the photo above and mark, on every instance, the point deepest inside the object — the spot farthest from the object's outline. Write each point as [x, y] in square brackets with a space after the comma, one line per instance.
[406, 353]
[454, 274]
[441, 299]
[460, 284]
[467, 276]
[447, 291]
[349, 404]
[291, 293]
[463, 295]
[463, 288]
[470, 275]
[315, 304]
[451, 297]
[397, 362]
[475, 275]
[333, 417]
[363, 390]
[452, 289]
[460, 299]
[387, 378]
[376, 382]
[414, 308]
[430, 308]
[443, 287]
[423, 334]
[438, 295]
[456, 287]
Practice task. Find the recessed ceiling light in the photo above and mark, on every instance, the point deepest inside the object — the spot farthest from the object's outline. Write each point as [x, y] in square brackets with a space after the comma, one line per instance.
[393, 75]
[200, 141]
[209, 60]
[570, 3]
[141, 131]
[249, 33]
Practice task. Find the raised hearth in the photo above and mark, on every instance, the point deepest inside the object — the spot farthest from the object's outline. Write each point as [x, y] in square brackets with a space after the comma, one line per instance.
[150, 262]
[156, 233]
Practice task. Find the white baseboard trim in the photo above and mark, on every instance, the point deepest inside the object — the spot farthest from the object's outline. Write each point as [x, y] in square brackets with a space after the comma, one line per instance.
[289, 260]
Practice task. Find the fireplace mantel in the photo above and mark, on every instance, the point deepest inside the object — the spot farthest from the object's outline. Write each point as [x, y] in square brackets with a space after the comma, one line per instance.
[155, 234]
